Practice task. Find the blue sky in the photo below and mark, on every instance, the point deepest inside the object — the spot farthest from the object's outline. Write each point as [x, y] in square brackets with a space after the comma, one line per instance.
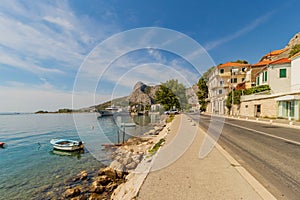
[44, 43]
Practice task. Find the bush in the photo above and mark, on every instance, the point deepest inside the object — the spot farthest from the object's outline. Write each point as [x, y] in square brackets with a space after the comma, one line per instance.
[295, 49]
[238, 93]
[156, 146]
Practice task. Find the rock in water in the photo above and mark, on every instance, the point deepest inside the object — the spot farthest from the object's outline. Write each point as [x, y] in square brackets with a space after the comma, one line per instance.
[117, 166]
[109, 172]
[103, 180]
[96, 187]
[72, 192]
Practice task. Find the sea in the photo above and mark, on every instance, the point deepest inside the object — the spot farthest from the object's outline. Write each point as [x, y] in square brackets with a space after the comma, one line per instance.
[29, 166]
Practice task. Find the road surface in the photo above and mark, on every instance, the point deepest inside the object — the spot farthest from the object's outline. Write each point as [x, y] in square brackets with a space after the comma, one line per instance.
[270, 153]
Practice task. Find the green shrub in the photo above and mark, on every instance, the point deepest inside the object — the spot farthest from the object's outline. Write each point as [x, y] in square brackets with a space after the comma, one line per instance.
[156, 146]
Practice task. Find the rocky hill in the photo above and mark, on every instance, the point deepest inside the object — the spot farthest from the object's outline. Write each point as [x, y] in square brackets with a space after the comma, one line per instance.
[286, 50]
[191, 94]
[143, 94]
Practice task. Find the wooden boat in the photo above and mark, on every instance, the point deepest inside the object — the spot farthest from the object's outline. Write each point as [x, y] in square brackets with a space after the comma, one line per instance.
[66, 144]
[2, 144]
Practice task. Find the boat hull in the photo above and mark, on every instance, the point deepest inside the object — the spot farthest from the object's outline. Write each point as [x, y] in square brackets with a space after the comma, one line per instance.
[2, 144]
[104, 113]
[66, 145]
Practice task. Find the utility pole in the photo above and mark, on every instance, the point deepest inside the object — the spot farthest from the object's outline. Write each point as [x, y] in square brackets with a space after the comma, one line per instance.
[231, 86]
[232, 91]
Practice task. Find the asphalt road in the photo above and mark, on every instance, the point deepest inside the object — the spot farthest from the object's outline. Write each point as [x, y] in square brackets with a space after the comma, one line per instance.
[270, 153]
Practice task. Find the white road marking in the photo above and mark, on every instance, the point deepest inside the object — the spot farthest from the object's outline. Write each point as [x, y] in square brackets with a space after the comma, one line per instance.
[260, 132]
[266, 134]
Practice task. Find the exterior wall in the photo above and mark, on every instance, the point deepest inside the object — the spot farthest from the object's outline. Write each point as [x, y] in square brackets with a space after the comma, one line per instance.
[277, 84]
[209, 107]
[254, 72]
[295, 72]
[262, 80]
[268, 108]
[217, 93]
[219, 85]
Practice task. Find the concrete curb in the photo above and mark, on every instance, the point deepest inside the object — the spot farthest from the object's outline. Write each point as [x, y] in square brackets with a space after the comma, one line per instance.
[257, 186]
[130, 189]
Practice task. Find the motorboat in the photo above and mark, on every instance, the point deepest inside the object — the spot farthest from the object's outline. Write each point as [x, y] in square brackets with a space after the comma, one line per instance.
[110, 111]
[66, 144]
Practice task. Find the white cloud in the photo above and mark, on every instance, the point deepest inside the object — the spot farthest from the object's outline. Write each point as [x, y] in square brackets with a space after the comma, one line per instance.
[25, 64]
[59, 21]
[18, 98]
[45, 38]
[234, 35]
[25, 33]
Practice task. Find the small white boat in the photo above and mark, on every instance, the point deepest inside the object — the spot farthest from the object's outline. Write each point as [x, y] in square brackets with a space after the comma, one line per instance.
[110, 111]
[67, 145]
[127, 124]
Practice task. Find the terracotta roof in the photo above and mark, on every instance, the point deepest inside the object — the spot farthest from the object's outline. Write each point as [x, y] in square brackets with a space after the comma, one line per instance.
[232, 64]
[240, 86]
[261, 63]
[275, 52]
[280, 61]
[296, 55]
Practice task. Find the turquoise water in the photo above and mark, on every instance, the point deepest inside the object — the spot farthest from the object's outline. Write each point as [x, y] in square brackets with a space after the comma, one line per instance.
[30, 168]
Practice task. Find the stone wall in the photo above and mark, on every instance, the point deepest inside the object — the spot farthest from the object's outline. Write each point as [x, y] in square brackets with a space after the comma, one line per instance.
[268, 108]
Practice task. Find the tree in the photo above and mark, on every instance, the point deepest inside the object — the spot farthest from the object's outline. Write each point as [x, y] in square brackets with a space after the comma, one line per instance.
[206, 74]
[241, 61]
[202, 93]
[172, 94]
[295, 49]
[166, 98]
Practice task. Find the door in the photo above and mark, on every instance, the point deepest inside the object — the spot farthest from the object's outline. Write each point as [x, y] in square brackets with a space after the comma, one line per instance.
[257, 110]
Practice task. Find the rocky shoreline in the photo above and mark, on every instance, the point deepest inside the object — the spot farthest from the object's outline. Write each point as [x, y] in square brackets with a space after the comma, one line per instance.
[113, 181]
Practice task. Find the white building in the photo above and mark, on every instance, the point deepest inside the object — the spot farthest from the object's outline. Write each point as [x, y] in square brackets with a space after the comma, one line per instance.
[221, 81]
[295, 73]
[277, 74]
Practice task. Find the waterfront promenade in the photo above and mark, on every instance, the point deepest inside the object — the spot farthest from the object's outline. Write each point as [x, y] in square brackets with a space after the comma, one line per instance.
[216, 176]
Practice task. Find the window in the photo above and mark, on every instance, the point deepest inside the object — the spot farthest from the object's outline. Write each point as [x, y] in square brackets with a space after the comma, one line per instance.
[221, 71]
[243, 79]
[234, 80]
[258, 108]
[243, 69]
[292, 109]
[257, 80]
[221, 83]
[265, 76]
[282, 73]
[220, 91]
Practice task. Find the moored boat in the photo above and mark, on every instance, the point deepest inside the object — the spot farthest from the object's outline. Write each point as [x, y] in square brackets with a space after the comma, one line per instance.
[127, 124]
[2, 144]
[110, 111]
[66, 144]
